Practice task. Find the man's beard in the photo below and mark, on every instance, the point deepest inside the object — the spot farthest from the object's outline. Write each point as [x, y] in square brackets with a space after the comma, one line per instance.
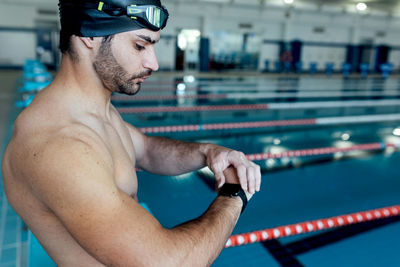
[113, 76]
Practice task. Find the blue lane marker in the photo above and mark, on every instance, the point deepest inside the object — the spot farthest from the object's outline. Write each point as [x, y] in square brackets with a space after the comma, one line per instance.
[383, 145]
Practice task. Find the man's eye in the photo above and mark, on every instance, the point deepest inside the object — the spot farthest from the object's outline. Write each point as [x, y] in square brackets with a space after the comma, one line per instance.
[139, 47]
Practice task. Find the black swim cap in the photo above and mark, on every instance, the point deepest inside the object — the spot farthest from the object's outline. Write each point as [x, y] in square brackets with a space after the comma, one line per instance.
[91, 18]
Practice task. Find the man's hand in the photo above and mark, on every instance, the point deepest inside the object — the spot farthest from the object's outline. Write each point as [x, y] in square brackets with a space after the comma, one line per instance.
[232, 178]
[220, 158]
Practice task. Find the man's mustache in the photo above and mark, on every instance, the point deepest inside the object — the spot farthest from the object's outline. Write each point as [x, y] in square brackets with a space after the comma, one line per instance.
[142, 74]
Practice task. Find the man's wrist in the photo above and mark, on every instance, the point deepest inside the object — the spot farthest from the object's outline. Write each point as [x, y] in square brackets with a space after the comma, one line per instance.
[236, 201]
[234, 191]
[204, 149]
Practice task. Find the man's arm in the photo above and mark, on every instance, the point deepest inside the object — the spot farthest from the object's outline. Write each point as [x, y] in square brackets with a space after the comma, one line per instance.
[171, 157]
[76, 181]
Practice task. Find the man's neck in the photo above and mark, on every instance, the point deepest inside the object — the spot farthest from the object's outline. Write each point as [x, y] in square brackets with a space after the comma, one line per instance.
[79, 80]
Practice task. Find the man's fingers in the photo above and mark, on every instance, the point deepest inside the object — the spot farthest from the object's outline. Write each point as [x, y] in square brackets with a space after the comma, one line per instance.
[258, 177]
[219, 178]
[248, 173]
[236, 158]
[221, 181]
[241, 172]
[251, 180]
[219, 174]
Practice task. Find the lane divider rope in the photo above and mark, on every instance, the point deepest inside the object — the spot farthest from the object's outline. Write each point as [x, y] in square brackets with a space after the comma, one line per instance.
[196, 108]
[222, 126]
[321, 94]
[321, 151]
[276, 123]
[274, 88]
[272, 106]
[312, 226]
[275, 83]
[168, 97]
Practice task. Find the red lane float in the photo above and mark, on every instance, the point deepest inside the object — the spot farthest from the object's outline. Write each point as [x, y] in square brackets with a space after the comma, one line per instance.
[261, 89]
[222, 126]
[312, 226]
[167, 97]
[198, 108]
[319, 151]
[281, 123]
[271, 106]
[261, 95]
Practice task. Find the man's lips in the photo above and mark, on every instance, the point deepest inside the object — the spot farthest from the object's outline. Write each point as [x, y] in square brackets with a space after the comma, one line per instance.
[143, 79]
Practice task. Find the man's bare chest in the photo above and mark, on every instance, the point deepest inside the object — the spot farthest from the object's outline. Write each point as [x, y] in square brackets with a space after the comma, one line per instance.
[123, 156]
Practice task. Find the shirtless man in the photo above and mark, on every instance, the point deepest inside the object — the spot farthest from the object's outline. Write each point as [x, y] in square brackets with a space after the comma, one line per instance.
[69, 170]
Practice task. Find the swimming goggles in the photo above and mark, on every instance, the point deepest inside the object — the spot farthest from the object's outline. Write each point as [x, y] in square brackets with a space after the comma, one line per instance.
[154, 17]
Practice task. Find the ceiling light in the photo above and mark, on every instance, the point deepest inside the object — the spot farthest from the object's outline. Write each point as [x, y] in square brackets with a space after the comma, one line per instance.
[361, 6]
[289, 2]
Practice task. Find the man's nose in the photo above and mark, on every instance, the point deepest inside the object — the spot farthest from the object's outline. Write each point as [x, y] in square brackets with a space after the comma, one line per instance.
[151, 61]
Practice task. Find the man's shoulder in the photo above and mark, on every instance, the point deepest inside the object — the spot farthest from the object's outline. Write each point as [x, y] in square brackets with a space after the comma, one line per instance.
[31, 132]
[33, 147]
[66, 161]
[117, 116]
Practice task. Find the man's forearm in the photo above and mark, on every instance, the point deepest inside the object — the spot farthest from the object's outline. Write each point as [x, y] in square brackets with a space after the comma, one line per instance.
[171, 157]
[199, 242]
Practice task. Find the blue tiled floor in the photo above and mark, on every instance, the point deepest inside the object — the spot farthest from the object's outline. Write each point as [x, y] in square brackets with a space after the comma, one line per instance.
[12, 238]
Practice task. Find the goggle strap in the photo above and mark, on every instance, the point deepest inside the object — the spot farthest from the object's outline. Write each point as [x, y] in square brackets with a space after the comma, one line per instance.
[91, 5]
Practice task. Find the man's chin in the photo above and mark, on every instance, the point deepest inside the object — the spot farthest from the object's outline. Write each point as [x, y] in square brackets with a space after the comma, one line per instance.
[132, 91]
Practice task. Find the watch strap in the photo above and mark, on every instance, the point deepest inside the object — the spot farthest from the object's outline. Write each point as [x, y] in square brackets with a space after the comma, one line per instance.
[234, 190]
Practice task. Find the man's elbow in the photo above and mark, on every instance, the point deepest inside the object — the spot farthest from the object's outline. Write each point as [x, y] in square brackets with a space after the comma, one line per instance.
[185, 251]
[164, 250]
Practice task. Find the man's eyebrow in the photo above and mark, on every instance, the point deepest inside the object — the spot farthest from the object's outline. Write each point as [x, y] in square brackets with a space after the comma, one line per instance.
[147, 39]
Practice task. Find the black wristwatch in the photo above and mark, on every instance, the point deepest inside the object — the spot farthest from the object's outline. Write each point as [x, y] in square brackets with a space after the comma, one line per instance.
[234, 190]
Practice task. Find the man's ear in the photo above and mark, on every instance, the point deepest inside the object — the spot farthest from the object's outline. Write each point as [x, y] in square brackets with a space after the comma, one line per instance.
[89, 42]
